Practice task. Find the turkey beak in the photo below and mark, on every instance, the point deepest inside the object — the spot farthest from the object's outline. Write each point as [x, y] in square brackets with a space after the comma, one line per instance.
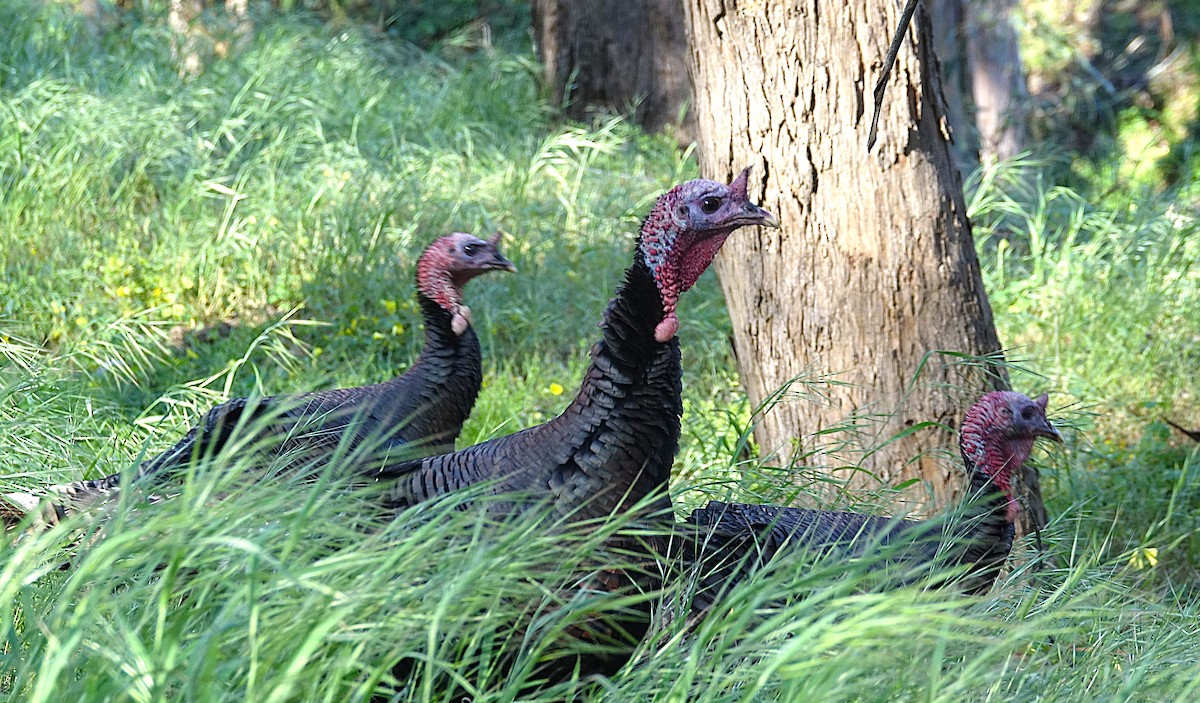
[768, 220]
[752, 215]
[1049, 431]
[499, 263]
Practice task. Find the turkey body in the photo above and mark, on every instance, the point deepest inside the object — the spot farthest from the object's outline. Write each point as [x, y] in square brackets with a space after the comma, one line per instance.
[614, 444]
[611, 447]
[419, 412]
[723, 543]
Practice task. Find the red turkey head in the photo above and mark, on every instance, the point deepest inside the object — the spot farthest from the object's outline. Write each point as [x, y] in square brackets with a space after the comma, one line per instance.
[998, 433]
[685, 230]
[446, 266]
[1009, 415]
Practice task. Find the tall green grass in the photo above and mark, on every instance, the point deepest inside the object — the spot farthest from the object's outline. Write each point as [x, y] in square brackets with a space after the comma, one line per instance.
[166, 244]
[1105, 305]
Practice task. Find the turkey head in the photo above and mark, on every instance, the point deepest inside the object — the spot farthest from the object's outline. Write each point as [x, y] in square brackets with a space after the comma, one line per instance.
[685, 230]
[449, 263]
[998, 433]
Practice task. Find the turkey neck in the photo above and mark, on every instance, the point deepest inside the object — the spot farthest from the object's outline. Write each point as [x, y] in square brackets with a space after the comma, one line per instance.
[449, 366]
[627, 328]
[630, 399]
[986, 526]
[442, 346]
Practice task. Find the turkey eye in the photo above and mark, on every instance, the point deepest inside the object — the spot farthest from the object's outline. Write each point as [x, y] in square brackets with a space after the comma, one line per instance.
[710, 205]
[470, 249]
[1027, 413]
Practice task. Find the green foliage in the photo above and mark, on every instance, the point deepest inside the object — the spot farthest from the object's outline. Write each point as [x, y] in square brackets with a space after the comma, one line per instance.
[167, 243]
[1116, 92]
[1105, 305]
[1108, 299]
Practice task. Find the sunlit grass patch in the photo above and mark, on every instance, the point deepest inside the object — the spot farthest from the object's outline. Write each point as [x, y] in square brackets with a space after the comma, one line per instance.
[167, 244]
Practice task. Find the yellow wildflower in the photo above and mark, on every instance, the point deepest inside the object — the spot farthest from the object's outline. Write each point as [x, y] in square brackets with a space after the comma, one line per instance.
[555, 389]
[1144, 558]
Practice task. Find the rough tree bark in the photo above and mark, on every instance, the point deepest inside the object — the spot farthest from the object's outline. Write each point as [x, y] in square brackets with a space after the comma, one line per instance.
[616, 53]
[874, 268]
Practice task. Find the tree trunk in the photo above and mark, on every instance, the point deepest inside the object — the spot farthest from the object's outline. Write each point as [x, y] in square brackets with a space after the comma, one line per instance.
[948, 20]
[185, 48]
[628, 55]
[873, 276]
[987, 99]
[997, 78]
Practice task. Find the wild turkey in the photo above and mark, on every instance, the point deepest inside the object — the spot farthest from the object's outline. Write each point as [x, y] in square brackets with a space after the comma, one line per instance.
[420, 411]
[724, 542]
[614, 444]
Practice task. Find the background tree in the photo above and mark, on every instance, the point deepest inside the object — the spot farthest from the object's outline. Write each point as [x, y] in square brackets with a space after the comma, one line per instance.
[950, 47]
[874, 270]
[629, 55]
[983, 79]
[194, 42]
[997, 79]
